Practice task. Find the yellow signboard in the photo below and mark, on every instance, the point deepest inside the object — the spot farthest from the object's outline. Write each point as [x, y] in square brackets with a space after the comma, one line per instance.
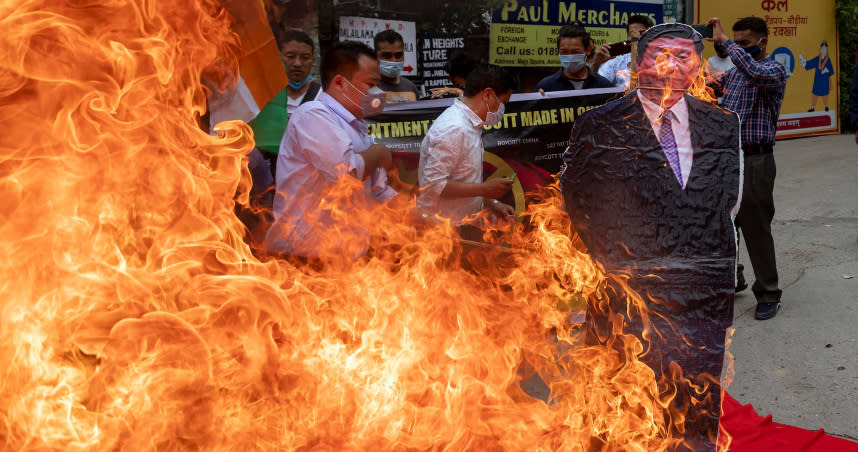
[803, 38]
[524, 32]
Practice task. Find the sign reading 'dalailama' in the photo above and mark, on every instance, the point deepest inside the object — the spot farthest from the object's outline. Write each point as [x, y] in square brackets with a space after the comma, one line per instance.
[524, 32]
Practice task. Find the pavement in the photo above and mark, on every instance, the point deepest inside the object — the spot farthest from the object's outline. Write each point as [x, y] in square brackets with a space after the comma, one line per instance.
[802, 366]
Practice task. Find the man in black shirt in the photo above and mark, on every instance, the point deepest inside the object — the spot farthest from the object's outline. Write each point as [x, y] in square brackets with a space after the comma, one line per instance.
[574, 46]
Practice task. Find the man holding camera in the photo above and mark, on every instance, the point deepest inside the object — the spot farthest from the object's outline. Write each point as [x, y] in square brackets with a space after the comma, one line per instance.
[613, 61]
[754, 89]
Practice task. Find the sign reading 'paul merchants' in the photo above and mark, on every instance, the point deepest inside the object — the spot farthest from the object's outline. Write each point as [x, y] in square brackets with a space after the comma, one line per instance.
[524, 32]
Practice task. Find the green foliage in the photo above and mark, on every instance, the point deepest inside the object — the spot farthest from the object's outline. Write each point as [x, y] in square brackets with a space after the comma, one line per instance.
[847, 25]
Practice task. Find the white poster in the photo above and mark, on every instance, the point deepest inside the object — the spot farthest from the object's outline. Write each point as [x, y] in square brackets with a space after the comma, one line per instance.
[364, 29]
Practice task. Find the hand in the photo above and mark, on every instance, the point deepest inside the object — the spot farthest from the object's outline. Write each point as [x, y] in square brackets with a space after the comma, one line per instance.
[802, 61]
[542, 91]
[501, 210]
[495, 188]
[602, 55]
[376, 156]
[718, 34]
[438, 93]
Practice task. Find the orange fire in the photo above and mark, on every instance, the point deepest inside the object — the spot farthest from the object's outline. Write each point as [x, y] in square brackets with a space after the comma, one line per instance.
[135, 317]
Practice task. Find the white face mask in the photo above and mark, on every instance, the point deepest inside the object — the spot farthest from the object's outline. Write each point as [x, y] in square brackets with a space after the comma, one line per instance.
[573, 63]
[494, 117]
[390, 69]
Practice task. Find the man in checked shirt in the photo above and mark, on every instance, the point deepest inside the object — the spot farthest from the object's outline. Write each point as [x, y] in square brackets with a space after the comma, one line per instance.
[755, 89]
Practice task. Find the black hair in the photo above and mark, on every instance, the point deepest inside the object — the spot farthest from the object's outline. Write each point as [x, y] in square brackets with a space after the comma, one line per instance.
[460, 64]
[388, 36]
[488, 76]
[287, 36]
[342, 59]
[669, 30]
[755, 24]
[640, 19]
[575, 30]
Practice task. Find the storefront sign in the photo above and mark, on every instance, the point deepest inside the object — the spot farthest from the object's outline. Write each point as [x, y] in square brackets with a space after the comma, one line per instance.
[524, 32]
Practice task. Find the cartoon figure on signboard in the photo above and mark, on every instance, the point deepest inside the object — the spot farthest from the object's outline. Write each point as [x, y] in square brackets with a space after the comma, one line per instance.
[823, 70]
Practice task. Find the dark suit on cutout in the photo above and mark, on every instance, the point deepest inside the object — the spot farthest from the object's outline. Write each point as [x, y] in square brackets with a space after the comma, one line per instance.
[677, 246]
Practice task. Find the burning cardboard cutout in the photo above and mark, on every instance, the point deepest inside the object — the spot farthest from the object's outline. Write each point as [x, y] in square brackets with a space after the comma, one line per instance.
[672, 241]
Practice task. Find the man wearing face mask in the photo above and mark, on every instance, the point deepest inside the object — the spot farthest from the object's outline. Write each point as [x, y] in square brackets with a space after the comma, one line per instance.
[574, 47]
[297, 53]
[327, 140]
[390, 51]
[755, 89]
[652, 184]
[451, 154]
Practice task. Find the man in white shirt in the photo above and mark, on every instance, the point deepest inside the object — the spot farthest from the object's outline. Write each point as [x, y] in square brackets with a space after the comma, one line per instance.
[618, 69]
[326, 140]
[451, 155]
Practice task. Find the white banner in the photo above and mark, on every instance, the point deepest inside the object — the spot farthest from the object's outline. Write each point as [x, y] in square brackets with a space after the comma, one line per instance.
[364, 29]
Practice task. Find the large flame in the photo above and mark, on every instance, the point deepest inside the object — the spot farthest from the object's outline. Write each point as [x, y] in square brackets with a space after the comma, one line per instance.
[135, 317]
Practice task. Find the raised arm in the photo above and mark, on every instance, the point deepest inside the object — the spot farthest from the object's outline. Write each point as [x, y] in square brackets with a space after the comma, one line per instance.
[757, 73]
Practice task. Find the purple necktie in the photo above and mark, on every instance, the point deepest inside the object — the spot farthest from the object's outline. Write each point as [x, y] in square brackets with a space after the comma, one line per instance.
[668, 144]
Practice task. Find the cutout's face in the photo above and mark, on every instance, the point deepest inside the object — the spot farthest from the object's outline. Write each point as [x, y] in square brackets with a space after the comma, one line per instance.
[669, 63]
[298, 59]
[391, 51]
[571, 46]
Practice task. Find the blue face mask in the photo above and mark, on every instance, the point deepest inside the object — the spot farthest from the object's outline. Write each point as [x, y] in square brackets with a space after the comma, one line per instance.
[390, 69]
[298, 85]
[755, 49]
[573, 63]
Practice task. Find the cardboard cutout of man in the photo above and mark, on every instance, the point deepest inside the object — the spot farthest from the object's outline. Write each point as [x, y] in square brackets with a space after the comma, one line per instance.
[652, 185]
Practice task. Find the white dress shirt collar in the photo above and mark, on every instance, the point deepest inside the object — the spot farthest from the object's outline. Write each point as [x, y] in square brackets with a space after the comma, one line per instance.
[654, 111]
[681, 131]
[342, 112]
[475, 120]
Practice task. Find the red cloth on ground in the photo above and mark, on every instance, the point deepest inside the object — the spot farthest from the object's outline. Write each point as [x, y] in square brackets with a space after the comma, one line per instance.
[754, 433]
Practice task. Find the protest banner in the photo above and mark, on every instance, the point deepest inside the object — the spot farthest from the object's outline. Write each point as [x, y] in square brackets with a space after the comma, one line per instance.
[435, 51]
[528, 142]
[797, 31]
[364, 29]
[524, 32]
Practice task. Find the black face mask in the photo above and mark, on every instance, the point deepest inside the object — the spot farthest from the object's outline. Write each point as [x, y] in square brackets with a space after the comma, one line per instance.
[755, 49]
